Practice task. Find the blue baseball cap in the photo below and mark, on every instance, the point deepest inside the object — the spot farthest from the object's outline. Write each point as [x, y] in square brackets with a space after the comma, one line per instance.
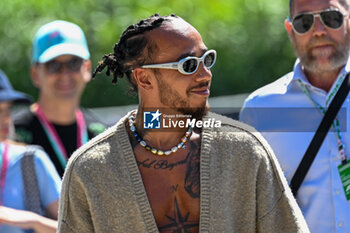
[59, 38]
[7, 93]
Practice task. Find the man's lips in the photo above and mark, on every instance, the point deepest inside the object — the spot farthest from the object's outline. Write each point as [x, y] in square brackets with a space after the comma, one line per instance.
[321, 46]
[322, 50]
[65, 86]
[201, 91]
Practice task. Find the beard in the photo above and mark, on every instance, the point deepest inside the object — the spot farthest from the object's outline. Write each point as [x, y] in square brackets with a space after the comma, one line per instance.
[171, 98]
[309, 60]
[196, 113]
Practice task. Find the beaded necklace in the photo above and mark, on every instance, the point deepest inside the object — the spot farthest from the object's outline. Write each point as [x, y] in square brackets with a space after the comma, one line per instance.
[335, 125]
[154, 150]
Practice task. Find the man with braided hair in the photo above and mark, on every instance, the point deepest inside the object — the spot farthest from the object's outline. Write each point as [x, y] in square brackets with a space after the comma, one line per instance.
[145, 175]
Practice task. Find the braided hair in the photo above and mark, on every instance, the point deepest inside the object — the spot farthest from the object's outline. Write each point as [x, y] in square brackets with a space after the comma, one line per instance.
[128, 53]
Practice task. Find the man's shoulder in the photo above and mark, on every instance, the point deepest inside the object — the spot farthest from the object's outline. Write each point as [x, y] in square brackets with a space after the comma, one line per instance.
[267, 94]
[16, 152]
[19, 150]
[231, 129]
[228, 124]
[238, 138]
[98, 142]
[98, 149]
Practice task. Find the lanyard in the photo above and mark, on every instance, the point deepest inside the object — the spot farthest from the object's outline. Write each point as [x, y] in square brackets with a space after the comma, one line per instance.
[55, 140]
[335, 125]
[4, 167]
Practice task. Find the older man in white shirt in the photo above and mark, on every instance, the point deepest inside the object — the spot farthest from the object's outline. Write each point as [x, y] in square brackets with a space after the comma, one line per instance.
[289, 110]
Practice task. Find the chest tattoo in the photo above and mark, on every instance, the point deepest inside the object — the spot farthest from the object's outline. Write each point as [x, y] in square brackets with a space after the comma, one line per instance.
[192, 185]
[192, 161]
[178, 222]
[161, 164]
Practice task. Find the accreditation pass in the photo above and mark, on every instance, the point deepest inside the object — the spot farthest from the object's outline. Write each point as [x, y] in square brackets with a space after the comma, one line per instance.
[344, 171]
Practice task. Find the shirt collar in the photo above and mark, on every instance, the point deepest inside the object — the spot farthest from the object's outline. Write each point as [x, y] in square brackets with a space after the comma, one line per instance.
[298, 73]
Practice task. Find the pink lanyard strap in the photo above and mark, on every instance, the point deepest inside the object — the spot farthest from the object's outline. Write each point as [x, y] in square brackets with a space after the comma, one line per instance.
[81, 128]
[4, 167]
[54, 138]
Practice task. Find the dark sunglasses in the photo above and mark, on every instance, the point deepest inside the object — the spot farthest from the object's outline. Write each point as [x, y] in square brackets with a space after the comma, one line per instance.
[72, 65]
[333, 19]
[188, 65]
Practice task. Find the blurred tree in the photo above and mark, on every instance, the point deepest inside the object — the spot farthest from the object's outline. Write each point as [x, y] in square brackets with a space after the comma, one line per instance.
[253, 47]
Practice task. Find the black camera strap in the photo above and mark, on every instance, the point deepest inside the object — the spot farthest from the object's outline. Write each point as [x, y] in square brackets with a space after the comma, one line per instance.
[320, 135]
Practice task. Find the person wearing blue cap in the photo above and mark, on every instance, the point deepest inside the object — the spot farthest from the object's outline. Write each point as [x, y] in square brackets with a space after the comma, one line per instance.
[60, 70]
[29, 183]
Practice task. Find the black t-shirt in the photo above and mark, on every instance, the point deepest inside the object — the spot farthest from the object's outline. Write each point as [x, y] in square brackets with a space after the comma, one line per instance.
[29, 130]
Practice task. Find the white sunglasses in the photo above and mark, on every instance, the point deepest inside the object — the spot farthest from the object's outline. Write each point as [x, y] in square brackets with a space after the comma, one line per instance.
[188, 65]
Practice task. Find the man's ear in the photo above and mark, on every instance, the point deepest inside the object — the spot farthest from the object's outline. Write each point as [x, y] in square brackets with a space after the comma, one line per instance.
[34, 70]
[143, 78]
[288, 26]
[87, 70]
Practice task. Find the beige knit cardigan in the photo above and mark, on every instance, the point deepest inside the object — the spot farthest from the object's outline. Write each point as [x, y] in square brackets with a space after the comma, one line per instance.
[242, 188]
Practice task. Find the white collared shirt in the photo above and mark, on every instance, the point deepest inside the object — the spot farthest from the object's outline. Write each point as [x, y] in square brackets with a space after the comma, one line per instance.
[287, 118]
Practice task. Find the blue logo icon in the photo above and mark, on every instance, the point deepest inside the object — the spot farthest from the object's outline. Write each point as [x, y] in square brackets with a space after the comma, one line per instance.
[151, 120]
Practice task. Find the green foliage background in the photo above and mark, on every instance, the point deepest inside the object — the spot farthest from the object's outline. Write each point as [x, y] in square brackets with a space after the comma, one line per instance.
[249, 36]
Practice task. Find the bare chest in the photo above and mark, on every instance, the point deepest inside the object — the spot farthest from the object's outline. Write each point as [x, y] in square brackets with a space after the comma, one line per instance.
[173, 190]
